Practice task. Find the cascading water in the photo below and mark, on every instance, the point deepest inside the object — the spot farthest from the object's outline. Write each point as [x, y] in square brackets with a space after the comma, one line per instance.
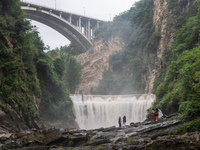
[95, 111]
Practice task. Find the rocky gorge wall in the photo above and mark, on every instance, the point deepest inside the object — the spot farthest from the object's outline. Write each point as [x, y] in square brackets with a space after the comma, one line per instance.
[94, 61]
[14, 117]
[165, 20]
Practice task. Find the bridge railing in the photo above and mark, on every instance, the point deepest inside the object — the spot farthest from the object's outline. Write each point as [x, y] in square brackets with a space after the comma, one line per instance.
[51, 8]
[81, 27]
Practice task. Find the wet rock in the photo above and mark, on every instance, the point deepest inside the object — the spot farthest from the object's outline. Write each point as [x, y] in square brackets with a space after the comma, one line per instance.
[109, 129]
[97, 142]
[38, 148]
[11, 144]
[141, 136]
[51, 135]
[188, 141]
[132, 124]
[3, 139]
[1, 145]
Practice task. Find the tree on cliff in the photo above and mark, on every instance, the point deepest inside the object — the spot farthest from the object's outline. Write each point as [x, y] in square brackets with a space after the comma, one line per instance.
[27, 73]
[66, 66]
[72, 74]
[180, 86]
[19, 86]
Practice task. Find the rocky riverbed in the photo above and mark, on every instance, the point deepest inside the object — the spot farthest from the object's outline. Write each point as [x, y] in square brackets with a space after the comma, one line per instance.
[147, 135]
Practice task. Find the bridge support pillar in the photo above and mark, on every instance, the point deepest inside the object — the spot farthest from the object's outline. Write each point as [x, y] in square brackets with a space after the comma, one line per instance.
[80, 24]
[70, 19]
[98, 22]
[89, 30]
[61, 14]
[85, 29]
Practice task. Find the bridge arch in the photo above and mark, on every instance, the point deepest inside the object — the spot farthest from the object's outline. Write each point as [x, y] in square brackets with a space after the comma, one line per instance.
[78, 29]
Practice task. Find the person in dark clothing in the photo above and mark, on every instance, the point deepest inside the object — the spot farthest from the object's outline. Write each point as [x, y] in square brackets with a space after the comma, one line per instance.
[124, 121]
[119, 121]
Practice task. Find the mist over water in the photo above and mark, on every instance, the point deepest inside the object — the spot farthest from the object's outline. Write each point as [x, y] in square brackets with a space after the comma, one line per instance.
[96, 111]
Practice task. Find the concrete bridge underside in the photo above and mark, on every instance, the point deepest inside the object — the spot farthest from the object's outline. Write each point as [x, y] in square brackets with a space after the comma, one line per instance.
[79, 32]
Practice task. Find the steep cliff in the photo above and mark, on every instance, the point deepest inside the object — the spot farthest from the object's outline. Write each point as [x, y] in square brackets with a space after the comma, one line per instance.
[168, 17]
[19, 86]
[161, 14]
[177, 85]
[95, 61]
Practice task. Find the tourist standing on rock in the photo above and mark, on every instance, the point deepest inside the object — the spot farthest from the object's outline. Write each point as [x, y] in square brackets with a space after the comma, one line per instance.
[160, 114]
[153, 114]
[119, 121]
[124, 121]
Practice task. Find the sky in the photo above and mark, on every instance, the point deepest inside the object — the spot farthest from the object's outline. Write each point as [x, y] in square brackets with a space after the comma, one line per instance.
[100, 9]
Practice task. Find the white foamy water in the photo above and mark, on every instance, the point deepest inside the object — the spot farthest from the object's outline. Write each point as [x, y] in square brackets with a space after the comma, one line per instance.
[96, 111]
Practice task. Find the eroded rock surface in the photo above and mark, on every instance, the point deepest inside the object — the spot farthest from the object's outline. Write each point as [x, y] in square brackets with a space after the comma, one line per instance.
[146, 135]
[94, 61]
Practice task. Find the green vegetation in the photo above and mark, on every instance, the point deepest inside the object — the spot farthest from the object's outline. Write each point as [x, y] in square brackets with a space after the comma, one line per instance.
[55, 99]
[100, 147]
[67, 67]
[180, 87]
[130, 139]
[113, 84]
[59, 66]
[28, 76]
[72, 74]
[120, 26]
[187, 127]
[18, 75]
[130, 66]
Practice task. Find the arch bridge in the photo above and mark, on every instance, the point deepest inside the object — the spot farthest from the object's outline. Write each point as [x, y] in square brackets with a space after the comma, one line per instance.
[76, 28]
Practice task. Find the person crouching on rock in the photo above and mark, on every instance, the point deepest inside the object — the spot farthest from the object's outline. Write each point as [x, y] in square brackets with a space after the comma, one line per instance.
[119, 121]
[153, 114]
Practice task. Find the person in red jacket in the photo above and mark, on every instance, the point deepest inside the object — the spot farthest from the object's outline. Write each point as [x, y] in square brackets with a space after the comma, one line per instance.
[153, 114]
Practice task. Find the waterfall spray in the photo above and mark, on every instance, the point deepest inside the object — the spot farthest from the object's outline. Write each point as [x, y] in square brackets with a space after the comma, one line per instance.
[96, 111]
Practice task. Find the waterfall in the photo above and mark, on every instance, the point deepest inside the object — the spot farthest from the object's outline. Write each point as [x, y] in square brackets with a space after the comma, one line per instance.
[96, 111]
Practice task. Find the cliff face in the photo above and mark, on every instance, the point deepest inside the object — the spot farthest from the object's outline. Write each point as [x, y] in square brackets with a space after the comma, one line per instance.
[13, 116]
[165, 19]
[161, 14]
[94, 61]
[29, 85]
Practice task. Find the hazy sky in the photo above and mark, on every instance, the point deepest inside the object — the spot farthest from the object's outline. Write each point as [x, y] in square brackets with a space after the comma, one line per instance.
[100, 9]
